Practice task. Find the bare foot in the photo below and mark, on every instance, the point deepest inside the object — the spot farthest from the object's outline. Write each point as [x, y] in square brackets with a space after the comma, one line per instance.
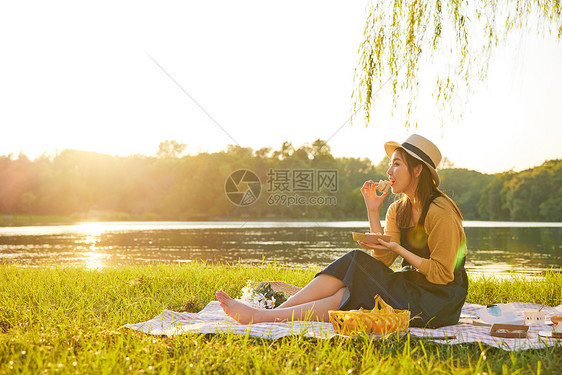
[238, 311]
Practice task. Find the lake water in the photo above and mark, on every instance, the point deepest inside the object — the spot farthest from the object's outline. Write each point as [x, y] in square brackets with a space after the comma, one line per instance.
[494, 247]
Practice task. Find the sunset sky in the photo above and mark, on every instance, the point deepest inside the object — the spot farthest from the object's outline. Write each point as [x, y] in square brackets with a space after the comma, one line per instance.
[86, 76]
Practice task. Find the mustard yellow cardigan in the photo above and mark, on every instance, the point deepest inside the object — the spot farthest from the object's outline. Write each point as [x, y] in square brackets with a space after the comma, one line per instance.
[446, 241]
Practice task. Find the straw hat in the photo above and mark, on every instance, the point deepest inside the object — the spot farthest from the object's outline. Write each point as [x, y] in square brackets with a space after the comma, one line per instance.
[420, 148]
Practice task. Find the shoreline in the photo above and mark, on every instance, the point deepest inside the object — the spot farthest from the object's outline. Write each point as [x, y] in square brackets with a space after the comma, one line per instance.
[15, 221]
[473, 274]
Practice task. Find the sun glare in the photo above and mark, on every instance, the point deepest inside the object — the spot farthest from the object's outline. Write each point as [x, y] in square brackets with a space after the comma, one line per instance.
[93, 258]
[93, 230]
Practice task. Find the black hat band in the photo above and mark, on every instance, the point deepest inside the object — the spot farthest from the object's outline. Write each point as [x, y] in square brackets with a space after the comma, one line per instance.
[420, 153]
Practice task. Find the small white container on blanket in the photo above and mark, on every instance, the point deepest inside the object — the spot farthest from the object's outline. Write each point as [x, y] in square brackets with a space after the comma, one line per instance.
[534, 317]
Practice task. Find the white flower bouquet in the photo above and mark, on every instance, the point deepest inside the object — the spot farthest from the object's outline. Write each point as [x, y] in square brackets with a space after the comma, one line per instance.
[261, 296]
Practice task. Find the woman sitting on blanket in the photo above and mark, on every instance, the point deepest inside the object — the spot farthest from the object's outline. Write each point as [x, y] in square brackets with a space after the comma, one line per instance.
[426, 230]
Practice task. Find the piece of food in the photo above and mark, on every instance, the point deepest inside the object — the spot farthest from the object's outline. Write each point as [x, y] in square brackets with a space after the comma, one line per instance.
[383, 186]
[556, 319]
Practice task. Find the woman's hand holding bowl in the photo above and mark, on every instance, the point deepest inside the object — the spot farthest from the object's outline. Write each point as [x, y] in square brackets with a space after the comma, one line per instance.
[382, 245]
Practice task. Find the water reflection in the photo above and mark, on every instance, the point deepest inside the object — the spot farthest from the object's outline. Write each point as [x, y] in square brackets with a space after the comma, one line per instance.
[95, 245]
[506, 249]
[93, 260]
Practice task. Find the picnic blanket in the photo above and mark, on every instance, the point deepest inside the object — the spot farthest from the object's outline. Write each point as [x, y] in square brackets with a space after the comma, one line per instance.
[212, 319]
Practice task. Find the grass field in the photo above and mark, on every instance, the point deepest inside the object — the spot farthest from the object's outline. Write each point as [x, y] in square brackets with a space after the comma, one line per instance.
[66, 320]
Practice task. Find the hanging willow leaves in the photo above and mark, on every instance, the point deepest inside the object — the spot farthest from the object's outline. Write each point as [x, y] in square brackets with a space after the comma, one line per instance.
[453, 40]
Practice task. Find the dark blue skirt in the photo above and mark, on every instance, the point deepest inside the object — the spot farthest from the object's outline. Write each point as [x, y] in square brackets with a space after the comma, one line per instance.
[406, 289]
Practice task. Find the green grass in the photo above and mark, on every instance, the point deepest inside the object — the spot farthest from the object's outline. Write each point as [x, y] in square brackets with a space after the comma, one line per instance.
[66, 320]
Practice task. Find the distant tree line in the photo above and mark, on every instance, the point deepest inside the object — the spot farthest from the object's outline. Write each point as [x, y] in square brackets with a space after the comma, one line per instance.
[174, 186]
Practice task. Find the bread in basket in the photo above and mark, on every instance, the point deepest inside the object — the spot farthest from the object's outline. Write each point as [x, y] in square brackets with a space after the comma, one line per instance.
[381, 319]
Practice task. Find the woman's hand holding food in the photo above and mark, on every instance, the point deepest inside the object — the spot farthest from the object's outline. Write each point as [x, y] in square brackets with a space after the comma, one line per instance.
[373, 201]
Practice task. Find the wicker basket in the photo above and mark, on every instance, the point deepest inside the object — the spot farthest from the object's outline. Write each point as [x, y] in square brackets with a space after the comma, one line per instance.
[288, 289]
[382, 319]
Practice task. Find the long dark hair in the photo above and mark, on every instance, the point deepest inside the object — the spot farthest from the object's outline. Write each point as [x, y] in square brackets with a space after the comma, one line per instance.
[424, 191]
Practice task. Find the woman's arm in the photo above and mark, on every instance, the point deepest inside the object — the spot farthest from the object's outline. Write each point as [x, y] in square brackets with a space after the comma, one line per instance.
[395, 249]
[391, 228]
[373, 202]
[374, 221]
[447, 243]
[412, 258]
